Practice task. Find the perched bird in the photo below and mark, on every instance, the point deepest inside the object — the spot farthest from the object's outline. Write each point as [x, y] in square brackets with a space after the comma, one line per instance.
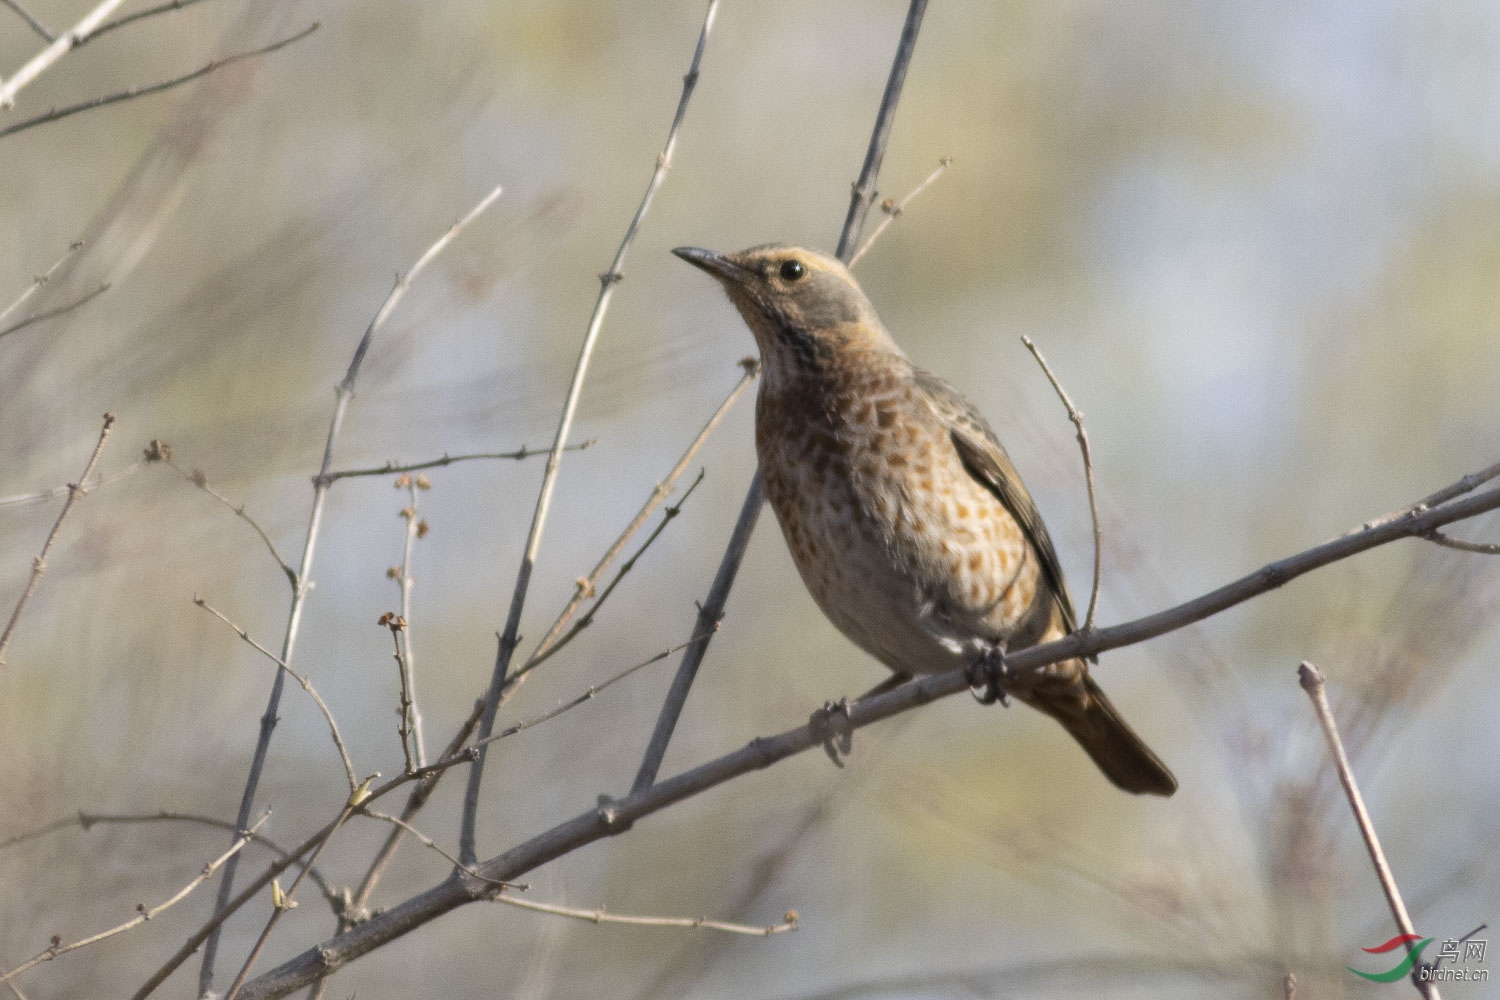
[903, 513]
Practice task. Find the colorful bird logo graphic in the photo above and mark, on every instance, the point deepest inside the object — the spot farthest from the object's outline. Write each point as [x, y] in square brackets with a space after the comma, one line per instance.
[1403, 967]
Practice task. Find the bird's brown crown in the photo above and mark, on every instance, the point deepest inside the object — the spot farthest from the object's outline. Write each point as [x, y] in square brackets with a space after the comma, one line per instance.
[803, 306]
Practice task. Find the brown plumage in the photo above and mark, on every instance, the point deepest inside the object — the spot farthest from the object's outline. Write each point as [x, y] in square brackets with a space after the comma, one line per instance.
[903, 513]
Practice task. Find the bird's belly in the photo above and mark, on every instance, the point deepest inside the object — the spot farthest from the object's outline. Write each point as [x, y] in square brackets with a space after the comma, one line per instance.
[913, 575]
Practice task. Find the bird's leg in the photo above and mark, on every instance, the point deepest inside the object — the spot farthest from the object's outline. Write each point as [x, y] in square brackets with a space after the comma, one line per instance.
[831, 724]
[987, 673]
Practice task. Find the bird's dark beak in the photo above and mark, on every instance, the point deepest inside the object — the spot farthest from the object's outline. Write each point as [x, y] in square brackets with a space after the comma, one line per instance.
[716, 264]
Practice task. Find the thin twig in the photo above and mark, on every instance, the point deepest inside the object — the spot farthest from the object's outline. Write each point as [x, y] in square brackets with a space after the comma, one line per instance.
[510, 637]
[59, 46]
[863, 192]
[894, 210]
[360, 901]
[143, 913]
[343, 394]
[41, 496]
[588, 695]
[397, 624]
[729, 564]
[615, 816]
[46, 314]
[57, 114]
[433, 845]
[283, 901]
[415, 528]
[1088, 477]
[598, 915]
[1312, 682]
[87, 821]
[662, 490]
[710, 616]
[33, 23]
[39, 564]
[41, 279]
[435, 463]
[198, 479]
[1448, 541]
[1467, 484]
[333, 727]
[139, 15]
[584, 622]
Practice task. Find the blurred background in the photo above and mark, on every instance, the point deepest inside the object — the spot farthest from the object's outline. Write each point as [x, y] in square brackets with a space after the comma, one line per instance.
[1257, 243]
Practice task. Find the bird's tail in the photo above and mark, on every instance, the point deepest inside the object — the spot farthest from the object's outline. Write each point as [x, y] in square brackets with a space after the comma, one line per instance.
[1088, 715]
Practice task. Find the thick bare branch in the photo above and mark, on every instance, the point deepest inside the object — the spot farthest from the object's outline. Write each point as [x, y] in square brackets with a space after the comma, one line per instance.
[614, 817]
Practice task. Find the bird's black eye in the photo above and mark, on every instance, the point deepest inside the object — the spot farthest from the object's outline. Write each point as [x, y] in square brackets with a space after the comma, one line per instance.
[792, 269]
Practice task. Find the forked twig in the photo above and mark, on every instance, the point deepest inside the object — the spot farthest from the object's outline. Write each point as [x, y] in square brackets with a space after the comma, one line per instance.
[343, 393]
[510, 637]
[39, 564]
[46, 314]
[58, 47]
[143, 912]
[593, 690]
[1312, 682]
[41, 280]
[894, 210]
[155, 88]
[1088, 477]
[586, 585]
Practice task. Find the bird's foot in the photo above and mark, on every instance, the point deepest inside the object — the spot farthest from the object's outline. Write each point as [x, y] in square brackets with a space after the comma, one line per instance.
[987, 674]
[831, 724]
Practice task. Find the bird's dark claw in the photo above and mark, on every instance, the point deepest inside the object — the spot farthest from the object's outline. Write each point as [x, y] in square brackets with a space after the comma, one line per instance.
[831, 724]
[987, 674]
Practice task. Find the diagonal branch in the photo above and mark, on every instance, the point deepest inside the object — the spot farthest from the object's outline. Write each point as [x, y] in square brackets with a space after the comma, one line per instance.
[60, 46]
[1311, 679]
[131, 93]
[41, 279]
[39, 564]
[46, 314]
[306, 685]
[343, 393]
[894, 210]
[143, 912]
[510, 637]
[612, 817]
[30, 19]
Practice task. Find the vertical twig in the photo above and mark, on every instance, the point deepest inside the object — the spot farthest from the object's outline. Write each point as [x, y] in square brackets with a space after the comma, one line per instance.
[415, 528]
[1312, 682]
[343, 393]
[1088, 478]
[729, 564]
[510, 637]
[39, 564]
[863, 192]
[397, 624]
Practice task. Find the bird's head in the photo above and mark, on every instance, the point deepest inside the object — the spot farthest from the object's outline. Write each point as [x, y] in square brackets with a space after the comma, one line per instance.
[803, 306]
